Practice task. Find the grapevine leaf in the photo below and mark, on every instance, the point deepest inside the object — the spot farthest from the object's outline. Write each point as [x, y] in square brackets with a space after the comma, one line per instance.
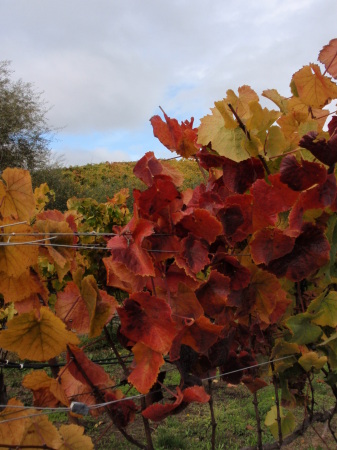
[324, 309]
[277, 98]
[16, 194]
[178, 138]
[37, 335]
[123, 412]
[238, 177]
[194, 256]
[147, 364]
[213, 294]
[201, 334]
[301, 176]
[288, 423]
[312, 360]
[192, 394]
[17, 288]
[236, 217]
[128, 249]
[11, 433]
[74, 439]
[184, 304]
[253, 384]
[42, 432]
[46, 391]
[149, 166]
[313, 88]
[119, 276]
[15, 259]
[71, 308]
[328, 57]
[310, 252]
[95, 373]
[304, 332]
[230, 266]
[201, 223]
[147, 319]
[269, 244]
[325, 151]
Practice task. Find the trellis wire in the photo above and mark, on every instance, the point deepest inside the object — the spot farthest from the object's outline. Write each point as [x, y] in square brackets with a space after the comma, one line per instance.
[100, 405]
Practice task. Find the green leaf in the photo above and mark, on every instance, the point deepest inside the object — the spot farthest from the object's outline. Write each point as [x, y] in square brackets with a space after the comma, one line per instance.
[304, 332]
[287, 422]
[324, 309]
[312, 360]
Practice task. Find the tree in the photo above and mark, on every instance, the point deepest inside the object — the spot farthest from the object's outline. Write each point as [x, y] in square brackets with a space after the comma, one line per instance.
[24, 131]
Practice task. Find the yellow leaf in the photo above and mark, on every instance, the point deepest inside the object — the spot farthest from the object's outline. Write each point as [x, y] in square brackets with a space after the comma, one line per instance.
[312, 360]
[277, 98]
[73, 438]
[16, 288]
[11, 433]
[313, 88]
[42, 432]
[15, 259]
[16, 194]
[37, 335]
[38, 380]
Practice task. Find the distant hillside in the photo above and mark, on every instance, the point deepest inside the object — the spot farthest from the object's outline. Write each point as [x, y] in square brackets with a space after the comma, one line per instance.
[103, 180]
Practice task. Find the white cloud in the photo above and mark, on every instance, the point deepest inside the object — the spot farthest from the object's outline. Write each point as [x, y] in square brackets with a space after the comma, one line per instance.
[107, 65]
[80, 157]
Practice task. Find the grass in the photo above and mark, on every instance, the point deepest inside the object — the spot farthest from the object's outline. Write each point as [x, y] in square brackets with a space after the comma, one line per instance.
[191, 429]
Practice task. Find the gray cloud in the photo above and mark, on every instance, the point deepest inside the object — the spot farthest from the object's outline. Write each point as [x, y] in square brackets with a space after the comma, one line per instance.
[107, 65]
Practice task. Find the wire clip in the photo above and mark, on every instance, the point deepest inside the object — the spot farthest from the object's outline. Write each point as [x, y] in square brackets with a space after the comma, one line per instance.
[79, 408]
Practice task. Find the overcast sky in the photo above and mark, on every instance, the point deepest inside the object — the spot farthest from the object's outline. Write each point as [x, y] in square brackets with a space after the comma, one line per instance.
[105, 66]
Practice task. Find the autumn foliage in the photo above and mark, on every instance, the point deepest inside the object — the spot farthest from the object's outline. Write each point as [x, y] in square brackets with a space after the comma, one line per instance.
[238, 271]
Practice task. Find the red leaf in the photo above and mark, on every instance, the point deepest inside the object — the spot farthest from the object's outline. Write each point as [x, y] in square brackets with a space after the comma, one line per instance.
[325, 151]
[149, 166]
[123, 411]
[194, 256]
[236, 217]
[158, 199]
[238, 177]
[318, 197]
[147, 319]
[269, 200]
[179, 138]
[213, 294]
[328, 57]
[185, 304]
[192, 394]
[201, 335]
[146, 367]
[310, 252]
[269, 244]
[301, 176]
[95, 373]
[119, 276]
[128, 250]
[201, 223]
[230, 266]
[253, 384]
[160, 412]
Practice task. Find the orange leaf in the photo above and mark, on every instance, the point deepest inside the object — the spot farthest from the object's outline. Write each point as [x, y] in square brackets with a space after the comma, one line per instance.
[11, 433]
[118, 275]
[42, 432]
[313, 88]
[18, 288]
[148, 363]
[95, 373]
[179, 138]
[328, 57]
[16, 194]
[36, 336]
[74, 439]
[15, 259]
[38, 381]
[71, 308]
